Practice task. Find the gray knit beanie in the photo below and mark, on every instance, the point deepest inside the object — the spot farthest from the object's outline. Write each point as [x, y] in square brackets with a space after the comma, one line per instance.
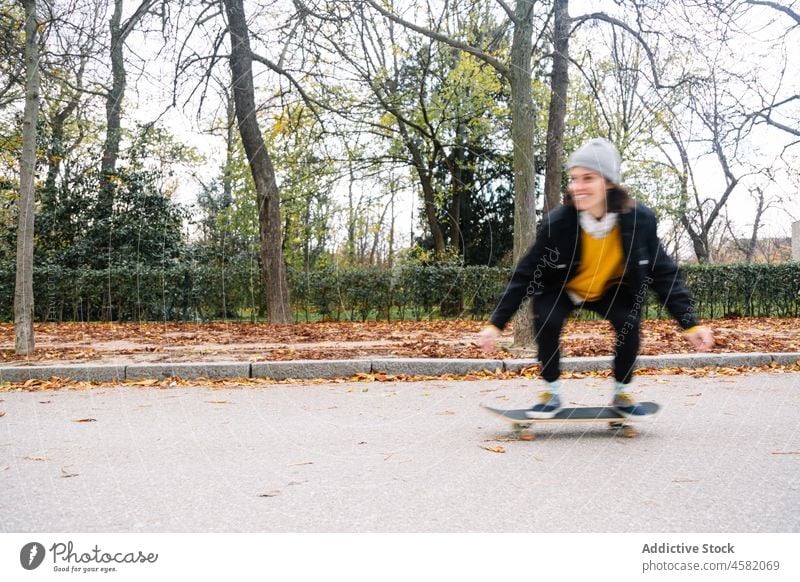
[599, 155]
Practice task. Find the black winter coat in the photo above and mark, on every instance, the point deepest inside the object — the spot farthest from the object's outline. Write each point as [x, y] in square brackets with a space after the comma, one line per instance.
[555, 256]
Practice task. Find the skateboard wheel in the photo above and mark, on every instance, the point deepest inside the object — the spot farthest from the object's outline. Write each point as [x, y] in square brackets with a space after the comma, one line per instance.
[628, 431]
[526, 434]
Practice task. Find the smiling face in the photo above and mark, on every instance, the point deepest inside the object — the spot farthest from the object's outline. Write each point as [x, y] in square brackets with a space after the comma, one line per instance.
[589, 191]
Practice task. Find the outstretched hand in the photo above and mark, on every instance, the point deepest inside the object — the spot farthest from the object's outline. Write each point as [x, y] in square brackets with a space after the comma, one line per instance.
[487, 338]
[702, 339]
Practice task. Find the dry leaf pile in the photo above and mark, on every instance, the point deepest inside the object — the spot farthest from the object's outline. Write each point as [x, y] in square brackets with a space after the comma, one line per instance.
[96, 342]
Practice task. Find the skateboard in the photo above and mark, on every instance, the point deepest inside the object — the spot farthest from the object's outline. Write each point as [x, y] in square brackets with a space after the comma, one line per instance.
[615, 420]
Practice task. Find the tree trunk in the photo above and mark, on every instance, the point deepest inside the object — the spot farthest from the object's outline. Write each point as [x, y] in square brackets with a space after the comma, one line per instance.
[429, 198]
[558, 106]
[424, 172]
[57, 150]
[699, 240]
[696, 236]
[269, 212]
[23, 293]
[753, 242]
[351, 215]
[390, 259]
[522, 129]
[230, 150]
[376, 236]
[108, 163]
[459, 188]
[457, 196]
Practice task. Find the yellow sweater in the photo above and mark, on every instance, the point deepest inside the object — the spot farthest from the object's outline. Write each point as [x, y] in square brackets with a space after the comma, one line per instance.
[601, 265]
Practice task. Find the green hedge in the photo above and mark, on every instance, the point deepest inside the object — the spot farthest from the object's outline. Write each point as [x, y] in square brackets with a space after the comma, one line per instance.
[192, 292]
[413, 292]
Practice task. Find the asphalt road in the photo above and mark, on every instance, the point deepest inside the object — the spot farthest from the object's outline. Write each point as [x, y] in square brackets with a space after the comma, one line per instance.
[722, 456]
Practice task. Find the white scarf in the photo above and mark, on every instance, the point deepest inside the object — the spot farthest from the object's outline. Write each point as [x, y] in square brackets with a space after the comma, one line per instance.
[597, 228]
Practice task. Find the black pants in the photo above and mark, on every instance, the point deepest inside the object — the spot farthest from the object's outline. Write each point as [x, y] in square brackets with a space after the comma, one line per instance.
[550, 310]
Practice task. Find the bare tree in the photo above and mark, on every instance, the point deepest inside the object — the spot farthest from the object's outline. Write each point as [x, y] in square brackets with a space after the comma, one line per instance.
[699, 209]
[747, 246]
[779, 109]
[23, 294]
[114, 98]
[763, 193]
[75, 38]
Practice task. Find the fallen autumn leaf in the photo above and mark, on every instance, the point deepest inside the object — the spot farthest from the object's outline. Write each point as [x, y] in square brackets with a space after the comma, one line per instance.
[274, 493]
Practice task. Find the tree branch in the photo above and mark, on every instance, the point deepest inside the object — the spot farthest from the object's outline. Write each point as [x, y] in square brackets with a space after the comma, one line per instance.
[543, 30]
[127, 27]
[499, 66]
[284, 73]
[768, 119]
[509, 11]
[776, 6]
[579, 20]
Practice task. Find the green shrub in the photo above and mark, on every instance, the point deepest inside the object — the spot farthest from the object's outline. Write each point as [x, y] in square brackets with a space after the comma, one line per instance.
[192, 290]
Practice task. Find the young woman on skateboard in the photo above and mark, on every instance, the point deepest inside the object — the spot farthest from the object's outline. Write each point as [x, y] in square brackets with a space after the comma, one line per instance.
[598, 251]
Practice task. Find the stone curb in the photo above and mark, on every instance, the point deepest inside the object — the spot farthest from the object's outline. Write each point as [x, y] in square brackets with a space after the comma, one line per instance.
[79, 372]
[432, 366]
[786, 359]
[703, 360]
[567, 364]
[212, 370]
[310, 369]
[329, 369]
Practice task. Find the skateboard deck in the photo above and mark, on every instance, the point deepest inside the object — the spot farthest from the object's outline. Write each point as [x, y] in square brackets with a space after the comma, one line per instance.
[616, 420]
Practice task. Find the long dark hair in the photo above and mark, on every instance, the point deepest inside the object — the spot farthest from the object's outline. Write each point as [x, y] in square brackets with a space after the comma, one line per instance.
[618, 199]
